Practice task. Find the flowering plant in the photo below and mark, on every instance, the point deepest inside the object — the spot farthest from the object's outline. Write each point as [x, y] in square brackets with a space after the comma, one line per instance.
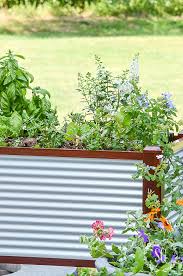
[117, 111]
[155, 247]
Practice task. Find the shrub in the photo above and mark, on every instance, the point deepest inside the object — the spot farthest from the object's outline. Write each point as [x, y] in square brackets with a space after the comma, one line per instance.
[110, 7]
[139, 7]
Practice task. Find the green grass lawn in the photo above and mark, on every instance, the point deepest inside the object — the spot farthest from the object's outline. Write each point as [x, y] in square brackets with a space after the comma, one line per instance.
[56, 61]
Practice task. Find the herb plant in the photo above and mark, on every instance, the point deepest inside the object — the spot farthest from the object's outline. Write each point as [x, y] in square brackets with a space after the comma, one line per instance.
[25, 112]
[137, 120]
[117, 112]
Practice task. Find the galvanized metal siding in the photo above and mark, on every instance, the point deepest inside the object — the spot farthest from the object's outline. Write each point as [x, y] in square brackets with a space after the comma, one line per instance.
[180, 154]
[172, 216]
[47, 203]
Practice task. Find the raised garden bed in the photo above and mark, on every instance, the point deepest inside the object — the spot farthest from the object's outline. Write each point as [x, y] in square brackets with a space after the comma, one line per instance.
[56, 180]
[50, 196]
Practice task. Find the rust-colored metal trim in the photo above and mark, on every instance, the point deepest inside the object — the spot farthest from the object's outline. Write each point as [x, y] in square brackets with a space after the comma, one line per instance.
[150, 159]
[47, 261]
[178, 136]
[109, 154]
[178, 145]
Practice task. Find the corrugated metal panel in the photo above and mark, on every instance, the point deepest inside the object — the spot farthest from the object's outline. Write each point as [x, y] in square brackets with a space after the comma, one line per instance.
[172, 216]
[180, 154]
[47, 203]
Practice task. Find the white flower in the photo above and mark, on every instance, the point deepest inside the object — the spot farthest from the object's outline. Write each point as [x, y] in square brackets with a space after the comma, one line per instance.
[108, 108]
[159, 157]
[134, 69]
[117, 83]
[126, 87]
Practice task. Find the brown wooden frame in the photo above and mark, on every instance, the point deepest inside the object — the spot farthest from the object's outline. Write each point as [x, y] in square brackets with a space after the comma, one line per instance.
[148, 156]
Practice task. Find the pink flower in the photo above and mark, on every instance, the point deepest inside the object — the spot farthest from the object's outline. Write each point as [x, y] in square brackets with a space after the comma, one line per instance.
[103, 237]
[110, 233]
[100, 232]
[97, 225]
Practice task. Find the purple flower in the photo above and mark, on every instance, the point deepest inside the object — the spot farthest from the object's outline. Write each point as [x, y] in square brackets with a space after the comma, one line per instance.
[157, 253]
[161, 226]
[170, 104]
[143, 101]
[167, 97]
[142, 235]
[181, 258]
[162, 259]
[173, 259]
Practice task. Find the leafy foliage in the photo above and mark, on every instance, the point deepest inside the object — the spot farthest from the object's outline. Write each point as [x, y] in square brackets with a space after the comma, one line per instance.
[155, 247]
[110, 7]
[21, 115]
[117, 112]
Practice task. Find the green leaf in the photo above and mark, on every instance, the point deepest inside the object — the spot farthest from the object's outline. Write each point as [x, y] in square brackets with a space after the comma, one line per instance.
[5, 104]
[164, 270]
[38, 90]
[178, 244]
[72, 131]
[3, 130]
[20, 56]
[119, 273]
[108, 255]
[16, 123]
[139, 260]
[116, 249]
[31, 77]
[11, 92]
[123, 118]
[7, 80]
[2, 75]
[22, 77]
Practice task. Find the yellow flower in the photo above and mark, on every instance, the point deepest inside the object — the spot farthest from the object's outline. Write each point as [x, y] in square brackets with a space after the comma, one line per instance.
[179, 202]
[166, 224]
[152, 214]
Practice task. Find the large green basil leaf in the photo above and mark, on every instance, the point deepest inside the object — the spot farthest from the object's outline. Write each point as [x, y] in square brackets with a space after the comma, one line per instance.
[15, 123]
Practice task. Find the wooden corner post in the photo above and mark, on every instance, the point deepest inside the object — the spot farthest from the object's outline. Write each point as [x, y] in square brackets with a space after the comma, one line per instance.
[150, 158]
